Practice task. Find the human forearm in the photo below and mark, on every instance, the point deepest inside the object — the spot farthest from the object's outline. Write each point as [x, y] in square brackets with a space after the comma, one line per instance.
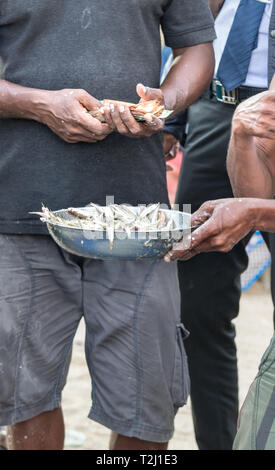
[264, 215]
[180, 89]
[249, 174]
[63, 111]
[21, 102]
[251, 155]
[189, 76]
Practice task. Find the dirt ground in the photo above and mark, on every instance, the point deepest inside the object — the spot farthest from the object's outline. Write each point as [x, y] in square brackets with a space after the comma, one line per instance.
[254, 330]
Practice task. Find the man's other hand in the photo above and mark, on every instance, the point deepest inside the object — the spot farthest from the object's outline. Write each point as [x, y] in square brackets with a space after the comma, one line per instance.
[222, 224]
[65, 113]
[121, 120]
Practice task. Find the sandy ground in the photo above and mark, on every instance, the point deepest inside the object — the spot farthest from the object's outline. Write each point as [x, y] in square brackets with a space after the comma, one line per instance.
[254, 330]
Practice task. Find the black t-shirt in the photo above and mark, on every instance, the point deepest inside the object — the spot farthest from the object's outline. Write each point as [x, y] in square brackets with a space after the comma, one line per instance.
[105, 47]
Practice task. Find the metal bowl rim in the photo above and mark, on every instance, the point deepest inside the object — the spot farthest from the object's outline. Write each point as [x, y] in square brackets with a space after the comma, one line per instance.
[119, 232]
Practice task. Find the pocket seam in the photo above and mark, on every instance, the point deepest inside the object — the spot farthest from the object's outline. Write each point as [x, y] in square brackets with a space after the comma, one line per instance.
[182, 397]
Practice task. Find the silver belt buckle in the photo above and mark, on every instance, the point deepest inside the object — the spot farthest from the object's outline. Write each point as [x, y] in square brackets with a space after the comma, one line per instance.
[229, 98]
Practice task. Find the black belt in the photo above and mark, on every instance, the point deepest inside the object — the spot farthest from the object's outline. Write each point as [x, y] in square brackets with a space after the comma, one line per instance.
[235, 96]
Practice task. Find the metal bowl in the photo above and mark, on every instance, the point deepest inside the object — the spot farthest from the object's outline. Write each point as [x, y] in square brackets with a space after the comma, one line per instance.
[139, 245]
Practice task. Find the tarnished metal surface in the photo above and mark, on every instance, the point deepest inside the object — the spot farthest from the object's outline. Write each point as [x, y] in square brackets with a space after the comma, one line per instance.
[139, 245]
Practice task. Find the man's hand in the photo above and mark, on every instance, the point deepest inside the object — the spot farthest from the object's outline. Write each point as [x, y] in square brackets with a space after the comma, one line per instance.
[222, 224]
[120, 119]
[65, 113]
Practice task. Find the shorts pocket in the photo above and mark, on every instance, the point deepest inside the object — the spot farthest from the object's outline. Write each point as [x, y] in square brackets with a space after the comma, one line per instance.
[181, 379]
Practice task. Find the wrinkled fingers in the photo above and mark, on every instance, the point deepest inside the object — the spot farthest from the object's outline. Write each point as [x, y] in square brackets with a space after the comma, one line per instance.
[120, 118]
[97, 129]
[124, 121]
[153, 123]
[114, 115]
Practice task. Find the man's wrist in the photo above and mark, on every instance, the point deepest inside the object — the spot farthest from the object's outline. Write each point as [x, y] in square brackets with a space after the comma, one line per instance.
[174, 101]
[22, 102]
[262, 214]
[33, 104]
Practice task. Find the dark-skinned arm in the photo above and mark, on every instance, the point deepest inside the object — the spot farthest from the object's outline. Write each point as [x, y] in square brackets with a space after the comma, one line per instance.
[251, 167]
[251, 155]
[188, 77]
[174, 131]
[180, 89]
[223, 223]
[63, 111]
[216, 6]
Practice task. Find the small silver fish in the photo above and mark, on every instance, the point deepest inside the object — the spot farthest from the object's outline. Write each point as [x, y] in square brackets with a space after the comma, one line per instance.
[112, 218]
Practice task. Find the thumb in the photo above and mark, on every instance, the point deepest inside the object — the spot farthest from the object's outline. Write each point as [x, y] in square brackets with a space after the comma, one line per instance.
[201, 216]
[147, 94]
[88, 101]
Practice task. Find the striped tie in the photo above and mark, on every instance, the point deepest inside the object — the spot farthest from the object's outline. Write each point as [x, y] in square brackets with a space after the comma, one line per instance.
[242, 40]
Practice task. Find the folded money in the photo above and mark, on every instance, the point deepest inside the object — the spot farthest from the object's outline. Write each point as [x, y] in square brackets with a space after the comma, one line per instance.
[138, 110]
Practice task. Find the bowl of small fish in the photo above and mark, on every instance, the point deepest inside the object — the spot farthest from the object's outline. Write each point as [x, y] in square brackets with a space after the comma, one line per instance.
[117, 231]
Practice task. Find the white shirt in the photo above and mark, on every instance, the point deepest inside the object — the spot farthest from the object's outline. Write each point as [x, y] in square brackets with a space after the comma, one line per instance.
[258, 69]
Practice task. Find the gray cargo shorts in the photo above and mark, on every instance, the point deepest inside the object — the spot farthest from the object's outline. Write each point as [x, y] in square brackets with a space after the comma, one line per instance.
[134, 338]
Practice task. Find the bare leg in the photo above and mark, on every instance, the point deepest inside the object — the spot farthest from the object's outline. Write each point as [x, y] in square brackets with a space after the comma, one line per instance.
[44, 432]
[119, 442]
[3, 438]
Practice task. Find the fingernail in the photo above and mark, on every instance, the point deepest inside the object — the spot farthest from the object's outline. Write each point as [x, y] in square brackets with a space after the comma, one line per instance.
[112, 107]
[121, 109]
[149, 119]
